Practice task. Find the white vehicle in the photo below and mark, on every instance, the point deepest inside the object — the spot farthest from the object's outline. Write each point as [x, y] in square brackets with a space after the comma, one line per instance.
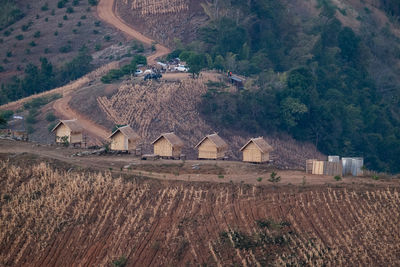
[148, 72]
[181, 68]
[138, 72]
[163, 65]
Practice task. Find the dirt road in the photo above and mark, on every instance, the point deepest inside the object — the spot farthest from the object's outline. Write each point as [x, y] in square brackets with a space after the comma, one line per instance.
[96, 132]
[106, 12]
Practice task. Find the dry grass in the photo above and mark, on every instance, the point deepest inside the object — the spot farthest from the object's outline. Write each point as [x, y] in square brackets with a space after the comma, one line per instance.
[63, 218]
[155, 7]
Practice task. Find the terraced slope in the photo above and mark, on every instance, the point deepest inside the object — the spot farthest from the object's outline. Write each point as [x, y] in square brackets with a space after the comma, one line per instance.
[62, 218]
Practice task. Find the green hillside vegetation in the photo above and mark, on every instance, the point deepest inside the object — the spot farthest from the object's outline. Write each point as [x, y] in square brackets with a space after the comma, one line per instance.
[46, 77]
[310, 77]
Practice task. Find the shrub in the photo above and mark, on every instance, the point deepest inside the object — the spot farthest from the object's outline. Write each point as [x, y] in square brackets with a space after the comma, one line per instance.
[53, 12]
[61, 3]
[55, 33]
[60, 25]
[375, 177]
[7, 33]
[97, 47]
[221, 176]
[97, 23]
[65, 17]
[107, 38]
[45, 7]
[274, 178]
[1, 68]
[337, 178]
[75, 31]
[37, 34]
[50, 117]
[30, 129]
[83, 17]
[51, 126]
[46, 50]
[46, 19]
[120, 262]
[93, 2]
[70, 10]
[79, 24]
[19, 37]
[65, 49]
[259, 179]
[32, 44]
[95, 32]
[75, 2]
[31, 119]
[9, 54]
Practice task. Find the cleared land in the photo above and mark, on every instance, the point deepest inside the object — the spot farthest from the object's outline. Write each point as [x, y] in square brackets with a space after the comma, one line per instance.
[75, 217]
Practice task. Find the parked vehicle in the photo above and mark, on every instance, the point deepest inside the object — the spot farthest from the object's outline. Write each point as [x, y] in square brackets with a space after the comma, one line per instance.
[151, 76]
[138, 72]
[181, 68]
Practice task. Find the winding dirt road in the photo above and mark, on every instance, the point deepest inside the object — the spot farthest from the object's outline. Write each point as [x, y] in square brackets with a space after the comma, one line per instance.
[106, 12]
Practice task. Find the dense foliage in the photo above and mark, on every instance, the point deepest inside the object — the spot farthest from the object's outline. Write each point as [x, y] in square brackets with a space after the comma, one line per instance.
[313, 82]
[46, 77]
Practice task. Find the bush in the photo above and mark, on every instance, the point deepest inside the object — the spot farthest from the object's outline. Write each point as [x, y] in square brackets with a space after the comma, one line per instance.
[32, 44]
[19, 37]
[6, 114]
[70, 10]
[61, 3]
[274, 178]
[37, 34]
[51, 126]
[75, 2]
[259, 179]
[50, 117]
[65, 17]
[93, 2]
[31, 119]
[45, 7]
[120, 262]
[337, 178]
[107, 38]
[375, 177]
[221, 176]
[30, 129]
[65, 49]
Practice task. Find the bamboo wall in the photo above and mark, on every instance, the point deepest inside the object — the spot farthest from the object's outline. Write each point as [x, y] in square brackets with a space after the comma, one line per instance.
[164, 149]
[62, 131]
[208, 150]
[253, 154]
[119, 142]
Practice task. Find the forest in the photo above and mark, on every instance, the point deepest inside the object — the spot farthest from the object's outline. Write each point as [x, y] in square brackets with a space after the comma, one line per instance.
[314, 80]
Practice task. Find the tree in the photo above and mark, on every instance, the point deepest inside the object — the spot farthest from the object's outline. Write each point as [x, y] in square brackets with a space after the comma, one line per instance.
[196, 62]
[3, 121]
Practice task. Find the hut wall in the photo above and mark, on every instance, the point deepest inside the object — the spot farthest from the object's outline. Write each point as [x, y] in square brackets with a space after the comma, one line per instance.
[76, 138]
[207, 150]
[62, 131]
[119, 142]
[176, 152]
[132, 144]
[163, 148]
[265, 157]
[252, 153]
[318, 167]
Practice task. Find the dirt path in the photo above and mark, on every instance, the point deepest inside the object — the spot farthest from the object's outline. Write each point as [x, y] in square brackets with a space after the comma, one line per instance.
[106, 12]
[95, 131]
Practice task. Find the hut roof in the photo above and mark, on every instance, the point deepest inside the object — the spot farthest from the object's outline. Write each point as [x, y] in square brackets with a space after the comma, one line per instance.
[260, 143]
[171, 138]
[127, 131]
[218, 141]
[73, 125]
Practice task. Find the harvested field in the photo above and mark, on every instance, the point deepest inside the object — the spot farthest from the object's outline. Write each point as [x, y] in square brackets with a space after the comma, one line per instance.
[155, 107]
[63, 218]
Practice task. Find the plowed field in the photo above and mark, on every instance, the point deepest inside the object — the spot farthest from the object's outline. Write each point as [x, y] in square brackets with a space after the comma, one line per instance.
[67, 218]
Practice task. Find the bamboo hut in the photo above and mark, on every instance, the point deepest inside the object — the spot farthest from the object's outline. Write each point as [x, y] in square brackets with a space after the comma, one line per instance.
[124, 139]
[212, 147]
[256, 150]
[68, 131]
[168, 145]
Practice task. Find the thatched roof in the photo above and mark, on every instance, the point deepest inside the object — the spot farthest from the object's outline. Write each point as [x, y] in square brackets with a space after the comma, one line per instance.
[73, 125]
[218, 141]
[171, 138]
[126, 131]
[260, 143]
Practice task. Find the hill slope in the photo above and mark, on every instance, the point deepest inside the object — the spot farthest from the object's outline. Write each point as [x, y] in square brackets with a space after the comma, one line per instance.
[60, 217]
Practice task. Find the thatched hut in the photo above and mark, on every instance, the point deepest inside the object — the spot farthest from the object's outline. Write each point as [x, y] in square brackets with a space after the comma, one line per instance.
[168, 145]
[212, 147]
[256, 150]
[124, 139]
[68, 131]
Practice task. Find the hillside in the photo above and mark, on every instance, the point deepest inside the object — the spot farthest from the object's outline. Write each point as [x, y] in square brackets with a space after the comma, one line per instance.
[70, 217]
[324, 71]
